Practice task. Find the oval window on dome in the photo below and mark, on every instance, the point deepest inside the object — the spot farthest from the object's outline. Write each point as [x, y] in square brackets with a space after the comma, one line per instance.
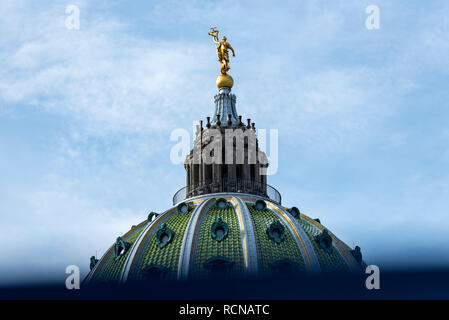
[93, 262]
[260, 205]
[276, 231]
[164, 236]
[295, 212]
[120, 248]
[357, 254]
[152, 216]
[324, 240]
[221, 204]
[183, 208]
[219, 230]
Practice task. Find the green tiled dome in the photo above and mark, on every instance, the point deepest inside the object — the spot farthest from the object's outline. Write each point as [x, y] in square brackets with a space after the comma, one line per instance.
[251, 242]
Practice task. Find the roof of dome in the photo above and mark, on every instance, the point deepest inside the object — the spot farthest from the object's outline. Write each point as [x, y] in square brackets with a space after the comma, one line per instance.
[202, 235]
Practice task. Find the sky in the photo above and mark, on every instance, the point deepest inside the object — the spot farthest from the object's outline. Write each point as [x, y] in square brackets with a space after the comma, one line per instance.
[86, 117]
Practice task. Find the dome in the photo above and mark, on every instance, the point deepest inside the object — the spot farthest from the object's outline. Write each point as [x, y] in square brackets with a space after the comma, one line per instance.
[224, 233]
[227, 220]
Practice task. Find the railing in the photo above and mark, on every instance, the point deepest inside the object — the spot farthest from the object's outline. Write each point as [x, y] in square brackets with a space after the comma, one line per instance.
[239, 185]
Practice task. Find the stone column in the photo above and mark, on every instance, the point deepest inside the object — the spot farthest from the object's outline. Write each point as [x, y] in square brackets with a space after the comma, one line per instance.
[187, 167]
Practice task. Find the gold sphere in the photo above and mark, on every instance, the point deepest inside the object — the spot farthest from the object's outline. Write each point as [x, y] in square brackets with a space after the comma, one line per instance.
[225, 80]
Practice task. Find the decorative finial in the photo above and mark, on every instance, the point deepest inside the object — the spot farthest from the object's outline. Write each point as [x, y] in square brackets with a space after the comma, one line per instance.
[224, 80]
[218, 120]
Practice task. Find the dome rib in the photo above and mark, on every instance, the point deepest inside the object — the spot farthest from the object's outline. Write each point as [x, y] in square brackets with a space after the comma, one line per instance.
[248, 235]
[192, 231]
[189, 237]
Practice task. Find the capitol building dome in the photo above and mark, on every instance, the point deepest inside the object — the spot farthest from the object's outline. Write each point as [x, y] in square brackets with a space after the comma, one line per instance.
[226, 221]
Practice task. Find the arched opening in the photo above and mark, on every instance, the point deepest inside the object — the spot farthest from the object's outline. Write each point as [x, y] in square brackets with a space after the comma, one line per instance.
[239, 171]
[219, 265]
[224, 173]
[284, 266]
[154, 272]
[208, 173]
[196, 174]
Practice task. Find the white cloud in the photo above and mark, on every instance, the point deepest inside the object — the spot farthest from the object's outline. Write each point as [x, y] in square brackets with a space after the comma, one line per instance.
[100, 74]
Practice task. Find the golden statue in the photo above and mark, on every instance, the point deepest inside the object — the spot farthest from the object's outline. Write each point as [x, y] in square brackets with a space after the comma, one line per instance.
[223, 57]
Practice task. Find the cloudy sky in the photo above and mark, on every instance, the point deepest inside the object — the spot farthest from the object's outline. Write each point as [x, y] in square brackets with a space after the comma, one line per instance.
[86, 117]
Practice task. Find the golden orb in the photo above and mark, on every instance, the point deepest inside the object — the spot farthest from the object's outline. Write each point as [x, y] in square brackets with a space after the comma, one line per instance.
[225, 80]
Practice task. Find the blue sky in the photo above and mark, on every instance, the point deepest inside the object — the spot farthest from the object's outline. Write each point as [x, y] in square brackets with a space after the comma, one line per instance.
[86, 117]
